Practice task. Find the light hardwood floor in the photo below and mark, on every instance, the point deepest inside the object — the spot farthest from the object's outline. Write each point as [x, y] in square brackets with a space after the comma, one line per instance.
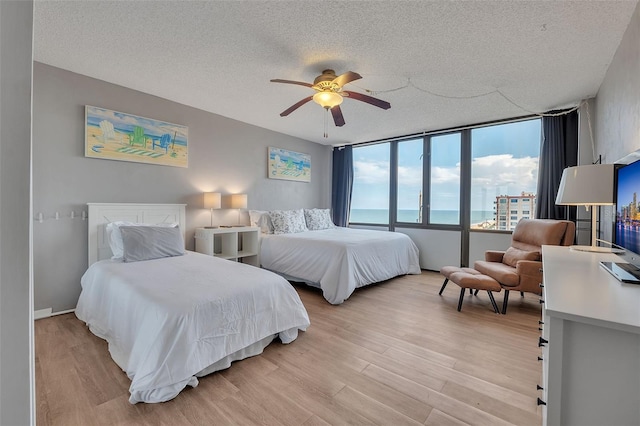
[394, 353]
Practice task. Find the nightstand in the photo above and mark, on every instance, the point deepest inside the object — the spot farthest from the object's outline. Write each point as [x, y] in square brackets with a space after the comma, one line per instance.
[237, 244]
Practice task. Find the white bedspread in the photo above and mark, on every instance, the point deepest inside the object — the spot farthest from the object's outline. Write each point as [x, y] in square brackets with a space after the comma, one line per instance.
[166, 320]
[339, 260]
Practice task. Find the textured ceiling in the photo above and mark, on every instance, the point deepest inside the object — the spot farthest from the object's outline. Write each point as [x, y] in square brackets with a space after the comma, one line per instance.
[219, 56]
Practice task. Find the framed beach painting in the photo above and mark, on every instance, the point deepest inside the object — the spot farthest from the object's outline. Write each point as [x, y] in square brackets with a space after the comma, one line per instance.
[289, 165]
[113, 135]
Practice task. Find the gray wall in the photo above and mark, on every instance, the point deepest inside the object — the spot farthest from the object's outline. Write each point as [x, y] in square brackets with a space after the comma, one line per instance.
[617, 127]
[225, 156]
[617, 107]
[16, 326]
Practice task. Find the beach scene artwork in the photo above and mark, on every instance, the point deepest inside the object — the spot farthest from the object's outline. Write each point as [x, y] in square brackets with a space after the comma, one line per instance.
[113, 135]
[289, 165]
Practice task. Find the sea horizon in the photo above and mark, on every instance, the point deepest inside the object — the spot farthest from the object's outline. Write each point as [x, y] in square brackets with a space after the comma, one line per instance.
[444, 217]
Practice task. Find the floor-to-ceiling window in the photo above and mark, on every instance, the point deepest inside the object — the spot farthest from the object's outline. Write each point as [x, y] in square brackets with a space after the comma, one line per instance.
[504, 174]
[370, 196]
[409, 182]
[444, 179]
[418, 181]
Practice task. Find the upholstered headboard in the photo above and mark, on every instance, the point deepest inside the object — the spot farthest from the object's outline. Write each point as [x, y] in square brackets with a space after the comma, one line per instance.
[100, 214]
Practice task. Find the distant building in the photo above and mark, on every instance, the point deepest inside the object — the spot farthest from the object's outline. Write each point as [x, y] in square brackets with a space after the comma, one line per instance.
[509, 209]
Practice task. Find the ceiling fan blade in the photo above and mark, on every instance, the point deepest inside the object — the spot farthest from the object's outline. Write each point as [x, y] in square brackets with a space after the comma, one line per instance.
[295, 106]
[368, 99]
[345, 78]
[301, 83]
[338, 119]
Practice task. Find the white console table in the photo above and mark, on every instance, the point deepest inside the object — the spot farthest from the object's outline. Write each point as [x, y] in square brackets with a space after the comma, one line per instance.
[591, 363]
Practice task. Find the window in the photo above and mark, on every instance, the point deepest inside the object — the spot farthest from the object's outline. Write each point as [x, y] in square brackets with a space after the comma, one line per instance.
[504, 162]
[409, 189]
[370, 196]
[444, 191]
[427, 179]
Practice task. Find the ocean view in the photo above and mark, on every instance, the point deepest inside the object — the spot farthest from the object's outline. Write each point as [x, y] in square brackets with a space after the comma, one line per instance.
[445, 217]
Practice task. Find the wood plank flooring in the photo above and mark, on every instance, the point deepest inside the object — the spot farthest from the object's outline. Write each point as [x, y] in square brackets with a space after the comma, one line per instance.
[395, 353]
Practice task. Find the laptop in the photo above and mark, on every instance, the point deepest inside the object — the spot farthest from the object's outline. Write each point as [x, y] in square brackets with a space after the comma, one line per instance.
[625, 272]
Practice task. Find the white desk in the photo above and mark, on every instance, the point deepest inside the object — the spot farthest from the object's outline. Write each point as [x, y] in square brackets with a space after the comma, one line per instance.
[591, 365]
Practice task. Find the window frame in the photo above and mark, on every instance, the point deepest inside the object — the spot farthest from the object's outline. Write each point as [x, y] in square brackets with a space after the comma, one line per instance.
[465, 179]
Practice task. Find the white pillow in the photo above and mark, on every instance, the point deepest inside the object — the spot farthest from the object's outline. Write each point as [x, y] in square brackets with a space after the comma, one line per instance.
[151, 242]
[114, 236]
[317, 219]
[288, 221]
[261, 219]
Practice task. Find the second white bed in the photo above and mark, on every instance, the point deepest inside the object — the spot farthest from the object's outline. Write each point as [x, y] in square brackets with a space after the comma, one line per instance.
[339, 260]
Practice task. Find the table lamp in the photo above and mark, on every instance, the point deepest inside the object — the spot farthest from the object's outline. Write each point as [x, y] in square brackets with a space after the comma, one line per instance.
[238, 201]
[211, 201]
[589, 186]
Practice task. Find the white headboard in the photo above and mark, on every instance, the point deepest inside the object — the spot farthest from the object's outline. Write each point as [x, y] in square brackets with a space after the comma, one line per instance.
[102, 213]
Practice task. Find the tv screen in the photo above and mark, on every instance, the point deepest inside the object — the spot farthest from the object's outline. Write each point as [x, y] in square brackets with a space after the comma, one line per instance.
[627, 233]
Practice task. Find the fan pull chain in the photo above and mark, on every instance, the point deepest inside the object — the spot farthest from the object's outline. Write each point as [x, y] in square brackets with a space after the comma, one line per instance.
[326, 123]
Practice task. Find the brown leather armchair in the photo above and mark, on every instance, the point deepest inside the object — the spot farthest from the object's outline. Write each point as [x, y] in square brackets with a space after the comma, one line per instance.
[519, 268]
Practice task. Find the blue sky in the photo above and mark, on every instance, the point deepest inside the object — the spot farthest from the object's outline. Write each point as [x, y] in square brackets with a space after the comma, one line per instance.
[505, 161]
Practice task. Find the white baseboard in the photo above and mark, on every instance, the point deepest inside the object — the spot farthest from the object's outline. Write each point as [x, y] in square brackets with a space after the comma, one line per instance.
[46, 313]
[42, 313]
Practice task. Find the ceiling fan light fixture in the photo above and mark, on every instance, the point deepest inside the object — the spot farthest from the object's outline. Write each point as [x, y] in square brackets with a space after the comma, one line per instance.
[327, 99]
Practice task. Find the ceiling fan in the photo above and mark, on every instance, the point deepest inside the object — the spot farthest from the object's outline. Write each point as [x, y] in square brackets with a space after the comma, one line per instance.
[329, 94]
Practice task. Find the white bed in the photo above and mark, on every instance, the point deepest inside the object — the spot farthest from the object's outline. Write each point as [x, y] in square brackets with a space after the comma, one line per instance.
[170, 320]
[339, 260]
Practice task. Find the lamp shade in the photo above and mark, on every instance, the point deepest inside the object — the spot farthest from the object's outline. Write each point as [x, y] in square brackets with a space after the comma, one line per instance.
[212, 200]
[590, 185]
[238, 201]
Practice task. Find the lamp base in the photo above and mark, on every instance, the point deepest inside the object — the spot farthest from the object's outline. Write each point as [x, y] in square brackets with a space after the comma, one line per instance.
[596, 249]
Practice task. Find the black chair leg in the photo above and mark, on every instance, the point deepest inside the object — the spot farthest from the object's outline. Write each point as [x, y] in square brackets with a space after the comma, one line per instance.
[505, 302]
[461, 298]
[476, 292]
[522, 294]
[493, 302]
[444, 284]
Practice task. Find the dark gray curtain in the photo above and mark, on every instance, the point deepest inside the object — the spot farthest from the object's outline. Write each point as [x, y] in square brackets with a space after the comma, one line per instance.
[341, 184]
[558, 151]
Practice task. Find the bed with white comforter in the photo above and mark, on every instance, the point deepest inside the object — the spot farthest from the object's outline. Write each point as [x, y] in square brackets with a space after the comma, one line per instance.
[170, 320]
[170, 315]
[339, 260]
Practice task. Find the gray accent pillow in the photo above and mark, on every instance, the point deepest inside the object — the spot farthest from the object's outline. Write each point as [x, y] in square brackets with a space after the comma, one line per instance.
[151, 242]
[115, 238]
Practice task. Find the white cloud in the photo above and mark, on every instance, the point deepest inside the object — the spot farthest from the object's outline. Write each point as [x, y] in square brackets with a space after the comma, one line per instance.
[371, 171]
[410, 175]
[504, 171]
[499, 174]
[441, 175]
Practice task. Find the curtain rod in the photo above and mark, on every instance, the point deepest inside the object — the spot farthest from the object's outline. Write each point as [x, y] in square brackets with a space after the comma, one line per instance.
[447, 130]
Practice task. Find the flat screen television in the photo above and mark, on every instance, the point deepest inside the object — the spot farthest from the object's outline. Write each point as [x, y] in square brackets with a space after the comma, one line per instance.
[627, 225]
[627, 228]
